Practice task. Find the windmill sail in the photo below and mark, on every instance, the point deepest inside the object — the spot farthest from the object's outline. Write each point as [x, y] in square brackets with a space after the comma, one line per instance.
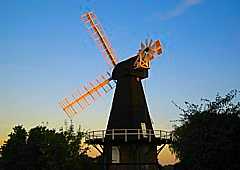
[86, 95]
[102, 85]
[98, 35]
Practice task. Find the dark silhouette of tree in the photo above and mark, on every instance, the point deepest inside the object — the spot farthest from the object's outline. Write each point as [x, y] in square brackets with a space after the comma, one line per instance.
[208, 137]
[45, 149]
[48, 148]
[13, 151]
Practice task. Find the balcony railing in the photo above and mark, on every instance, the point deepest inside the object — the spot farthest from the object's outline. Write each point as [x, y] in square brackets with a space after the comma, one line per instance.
[128, 134]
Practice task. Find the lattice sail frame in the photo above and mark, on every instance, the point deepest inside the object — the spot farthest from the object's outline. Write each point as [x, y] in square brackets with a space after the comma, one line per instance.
[102, 85]
[97, 33]
[87, 95]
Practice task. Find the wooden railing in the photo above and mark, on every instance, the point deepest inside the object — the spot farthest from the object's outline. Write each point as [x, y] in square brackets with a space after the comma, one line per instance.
[126, 134]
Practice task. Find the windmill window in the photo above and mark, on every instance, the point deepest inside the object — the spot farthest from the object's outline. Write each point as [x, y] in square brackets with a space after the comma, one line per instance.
[115, 155]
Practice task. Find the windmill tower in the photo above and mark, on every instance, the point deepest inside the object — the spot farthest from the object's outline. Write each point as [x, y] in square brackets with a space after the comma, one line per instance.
[129, 142]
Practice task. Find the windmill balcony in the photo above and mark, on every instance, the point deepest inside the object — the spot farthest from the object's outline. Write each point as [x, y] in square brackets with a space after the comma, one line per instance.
[115, 136]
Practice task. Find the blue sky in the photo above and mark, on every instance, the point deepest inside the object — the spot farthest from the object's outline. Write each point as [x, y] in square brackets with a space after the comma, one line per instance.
[46, 52]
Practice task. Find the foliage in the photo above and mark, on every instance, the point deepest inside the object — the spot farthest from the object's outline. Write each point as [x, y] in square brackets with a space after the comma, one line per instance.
[13, 151]
[208, 135]
[44, 149]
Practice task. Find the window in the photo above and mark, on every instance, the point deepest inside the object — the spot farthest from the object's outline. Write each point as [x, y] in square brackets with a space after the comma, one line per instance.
[115, 155]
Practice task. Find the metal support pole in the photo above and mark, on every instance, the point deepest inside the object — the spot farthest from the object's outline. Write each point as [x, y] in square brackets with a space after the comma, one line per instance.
[102, 135]
[125, 135]
[112, 134]
[149, 134]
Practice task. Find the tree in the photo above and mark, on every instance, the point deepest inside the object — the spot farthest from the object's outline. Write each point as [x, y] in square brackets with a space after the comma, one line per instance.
[49, 148]
[45, 149]
[13, 151]
[208, 135]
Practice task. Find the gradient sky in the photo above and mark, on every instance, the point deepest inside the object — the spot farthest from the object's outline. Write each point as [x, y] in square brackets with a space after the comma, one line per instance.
[46, 52]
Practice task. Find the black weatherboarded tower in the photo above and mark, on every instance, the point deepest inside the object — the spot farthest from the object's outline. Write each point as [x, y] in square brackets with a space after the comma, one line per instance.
[130, 115]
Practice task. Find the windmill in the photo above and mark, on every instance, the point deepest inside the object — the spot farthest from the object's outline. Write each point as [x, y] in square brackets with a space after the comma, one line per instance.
[129, 140]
